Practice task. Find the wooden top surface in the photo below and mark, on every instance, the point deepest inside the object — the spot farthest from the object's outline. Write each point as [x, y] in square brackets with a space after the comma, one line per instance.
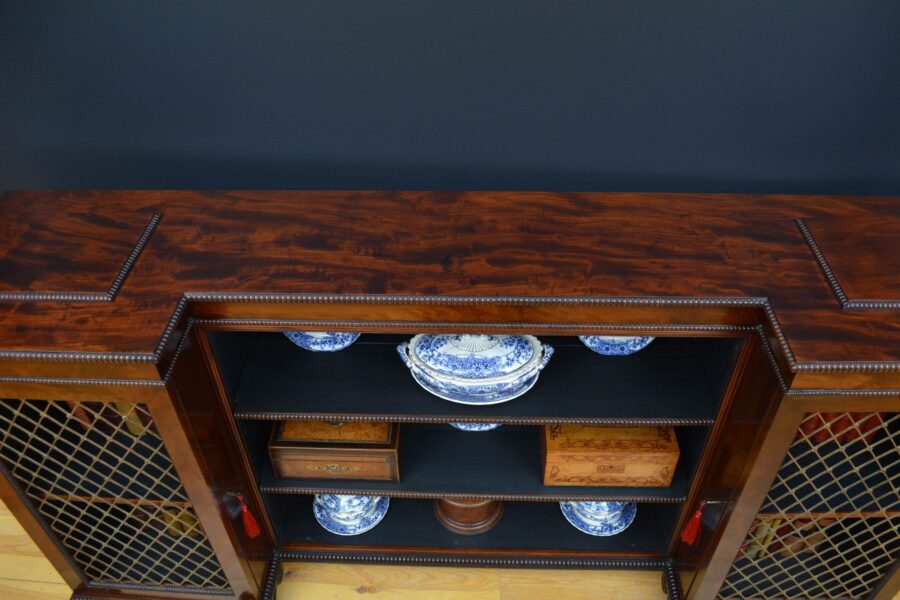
[57, 245]
[571, 438]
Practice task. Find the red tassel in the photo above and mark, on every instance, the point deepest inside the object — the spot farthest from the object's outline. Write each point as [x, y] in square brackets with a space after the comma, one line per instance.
[251, 527]
[691, 531]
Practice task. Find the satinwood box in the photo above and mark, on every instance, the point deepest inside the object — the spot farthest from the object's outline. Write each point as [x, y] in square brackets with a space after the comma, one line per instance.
[591, 455]
[335, 450]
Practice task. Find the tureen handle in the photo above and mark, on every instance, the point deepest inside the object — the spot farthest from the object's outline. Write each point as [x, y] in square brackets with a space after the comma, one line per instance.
[548, 352]
[401, 350]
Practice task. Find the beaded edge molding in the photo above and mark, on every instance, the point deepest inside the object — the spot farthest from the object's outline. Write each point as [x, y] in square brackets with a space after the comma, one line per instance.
[836, 288]
[107, 296]
[162, 589]
[729, 302]
[308, 490]
[402, 558]
[181, 308]
[394, 418]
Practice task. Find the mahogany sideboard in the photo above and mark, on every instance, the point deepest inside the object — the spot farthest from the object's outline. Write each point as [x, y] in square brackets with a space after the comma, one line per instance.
[142, 368]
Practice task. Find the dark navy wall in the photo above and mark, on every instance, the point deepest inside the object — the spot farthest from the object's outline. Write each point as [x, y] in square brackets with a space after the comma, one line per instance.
[763, 96]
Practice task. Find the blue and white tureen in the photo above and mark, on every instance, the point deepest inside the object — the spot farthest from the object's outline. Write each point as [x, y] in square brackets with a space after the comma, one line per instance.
[616, 345]
[321, 341]
[475, 369]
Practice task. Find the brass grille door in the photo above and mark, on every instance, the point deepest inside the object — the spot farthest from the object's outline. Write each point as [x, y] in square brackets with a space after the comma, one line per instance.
[830, 525]
[100, 476]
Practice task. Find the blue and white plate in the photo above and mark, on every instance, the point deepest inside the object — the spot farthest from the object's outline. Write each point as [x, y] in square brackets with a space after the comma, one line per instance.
[475, 426]
[599, 528]
[321, 341]
[616, 345]
[358, 525]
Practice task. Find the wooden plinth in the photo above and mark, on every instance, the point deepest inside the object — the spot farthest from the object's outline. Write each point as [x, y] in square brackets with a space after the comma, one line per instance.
[468, 516]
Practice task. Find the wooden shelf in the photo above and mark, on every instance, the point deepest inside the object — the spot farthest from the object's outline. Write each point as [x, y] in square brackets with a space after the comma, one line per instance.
[439, 461]
[673, 381]
[524, 525]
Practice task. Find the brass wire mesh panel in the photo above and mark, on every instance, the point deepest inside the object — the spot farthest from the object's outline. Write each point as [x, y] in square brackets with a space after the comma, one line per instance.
[100, 476]
[830, 525]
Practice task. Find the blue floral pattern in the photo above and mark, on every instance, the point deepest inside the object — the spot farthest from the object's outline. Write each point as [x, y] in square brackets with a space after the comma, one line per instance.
[344, 505]
[375, 510]
[603, 528]
[492, 369]
[475, 426]
[594, 510]
[474, 356]
[321, 341]
[612, 345]
[474, 394]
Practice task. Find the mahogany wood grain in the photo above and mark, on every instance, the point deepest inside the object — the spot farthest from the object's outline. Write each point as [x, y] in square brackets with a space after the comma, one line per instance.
[225, 454]
[468, 516]
[723, 248]
[174, 427]
[196, 392]
[725, 483]
[75, 252]
[781, 425]
[863, 254]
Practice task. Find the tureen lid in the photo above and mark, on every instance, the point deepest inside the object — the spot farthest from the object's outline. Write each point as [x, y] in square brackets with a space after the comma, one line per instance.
[474, 356]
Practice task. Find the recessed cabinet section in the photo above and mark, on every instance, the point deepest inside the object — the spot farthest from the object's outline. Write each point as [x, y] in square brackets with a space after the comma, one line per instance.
[672, 381]
[678, 383]
[411, 523]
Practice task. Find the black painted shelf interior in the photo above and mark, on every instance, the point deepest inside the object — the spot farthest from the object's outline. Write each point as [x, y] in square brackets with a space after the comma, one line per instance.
[523, 526]
[436, 459]
[671, 380]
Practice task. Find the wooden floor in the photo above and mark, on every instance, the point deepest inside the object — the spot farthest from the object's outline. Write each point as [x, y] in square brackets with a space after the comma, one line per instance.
[24, 572]
[339, 582]
[26, 575]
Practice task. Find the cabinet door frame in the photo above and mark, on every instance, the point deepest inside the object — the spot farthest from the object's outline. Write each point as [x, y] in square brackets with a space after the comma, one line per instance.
[184, 457]
[793, 409]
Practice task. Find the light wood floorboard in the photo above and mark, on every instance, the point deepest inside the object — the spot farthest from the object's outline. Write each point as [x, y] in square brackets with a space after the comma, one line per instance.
[340, 582]
[24, 572]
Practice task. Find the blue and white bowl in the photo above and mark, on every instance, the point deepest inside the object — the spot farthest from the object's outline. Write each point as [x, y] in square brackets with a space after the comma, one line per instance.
[599, 518]
[475, 426]
[349, 515]
[321, 341]
[475, 369]
[616, 345]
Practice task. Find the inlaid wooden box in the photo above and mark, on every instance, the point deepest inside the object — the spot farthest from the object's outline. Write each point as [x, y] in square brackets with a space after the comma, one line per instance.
[335, 450]
[609, 456]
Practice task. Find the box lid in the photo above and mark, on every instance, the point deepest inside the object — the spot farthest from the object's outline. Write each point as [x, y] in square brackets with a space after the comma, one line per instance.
[598, 438]
[368, 434]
